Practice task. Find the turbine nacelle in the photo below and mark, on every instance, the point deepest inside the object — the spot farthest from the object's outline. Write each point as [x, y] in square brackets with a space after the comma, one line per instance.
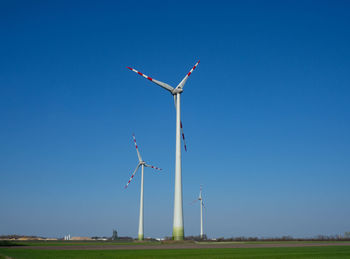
[177, 90]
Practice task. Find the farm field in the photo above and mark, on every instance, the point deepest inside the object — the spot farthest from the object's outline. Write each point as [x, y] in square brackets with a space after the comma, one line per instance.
[71, 243]
[286, 250]
[156, 243]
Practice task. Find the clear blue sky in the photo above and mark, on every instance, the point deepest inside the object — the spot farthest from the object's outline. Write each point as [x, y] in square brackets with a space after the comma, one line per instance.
[266, 116]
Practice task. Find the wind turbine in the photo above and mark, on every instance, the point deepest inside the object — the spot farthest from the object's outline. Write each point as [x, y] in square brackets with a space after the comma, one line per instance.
[202, 206]
[142, 164]
[178, 225]
[200, 199]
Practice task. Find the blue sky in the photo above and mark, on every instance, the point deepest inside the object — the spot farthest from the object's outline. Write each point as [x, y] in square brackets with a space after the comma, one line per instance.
[265, 114]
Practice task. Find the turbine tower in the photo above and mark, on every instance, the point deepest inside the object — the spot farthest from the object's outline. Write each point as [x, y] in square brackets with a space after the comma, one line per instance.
[142, 164]
[178, 225]
[202, 206]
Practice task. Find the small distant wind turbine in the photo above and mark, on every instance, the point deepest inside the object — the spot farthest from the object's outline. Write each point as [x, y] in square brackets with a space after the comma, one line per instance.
[142, 164]
[178, 225]
[200, 199]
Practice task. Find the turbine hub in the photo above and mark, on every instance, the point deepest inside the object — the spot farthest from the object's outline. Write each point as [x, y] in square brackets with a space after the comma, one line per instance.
[177, 91]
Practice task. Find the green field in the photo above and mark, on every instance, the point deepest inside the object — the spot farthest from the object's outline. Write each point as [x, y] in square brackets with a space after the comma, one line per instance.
[70, 243]
[272, 242]
[97, 243]
[280, 252]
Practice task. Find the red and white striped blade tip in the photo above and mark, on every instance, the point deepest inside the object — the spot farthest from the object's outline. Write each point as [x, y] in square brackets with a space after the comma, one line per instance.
[132, 176]
[194, 67]
[133, 136]
[141, 74]
[154, 167]
[126, 186]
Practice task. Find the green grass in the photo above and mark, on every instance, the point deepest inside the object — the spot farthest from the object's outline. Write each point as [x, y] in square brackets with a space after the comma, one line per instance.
[295, 242]
[97, 243]
[273, 253]
[271, 242]
[69, 243]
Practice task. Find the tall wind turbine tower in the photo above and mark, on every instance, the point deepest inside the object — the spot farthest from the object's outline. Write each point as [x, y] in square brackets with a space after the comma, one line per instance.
[202, 205]
[142, 164]
[178, 224]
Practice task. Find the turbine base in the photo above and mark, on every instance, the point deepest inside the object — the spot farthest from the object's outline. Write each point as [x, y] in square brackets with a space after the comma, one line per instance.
[178, 233]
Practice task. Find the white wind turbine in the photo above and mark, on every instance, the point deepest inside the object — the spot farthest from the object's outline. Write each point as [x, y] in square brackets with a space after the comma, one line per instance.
[142, 164]
[178, 225]
[201, 203]
[202, 206]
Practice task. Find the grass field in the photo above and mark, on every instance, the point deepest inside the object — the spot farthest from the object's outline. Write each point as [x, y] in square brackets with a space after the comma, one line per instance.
[96, 243]
[280, 252]
[68, 243]
[272, 242]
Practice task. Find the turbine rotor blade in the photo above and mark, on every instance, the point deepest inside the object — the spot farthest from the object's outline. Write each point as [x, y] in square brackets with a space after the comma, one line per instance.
[161, 84]
[183, 82]
[182, 130]
[154, 167]
[137, 149]
[132, 176]
[183, 136]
